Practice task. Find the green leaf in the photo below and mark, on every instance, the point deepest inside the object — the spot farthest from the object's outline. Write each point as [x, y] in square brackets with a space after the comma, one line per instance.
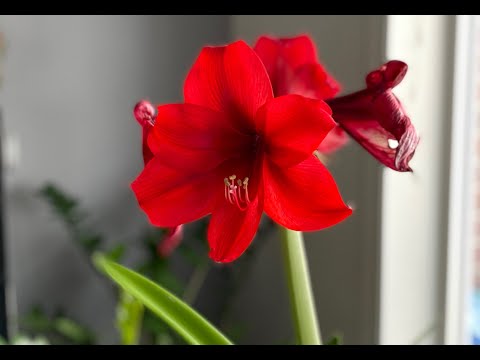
[59, 328]
[129, 318]
[90, 242]
[335, 340]
[164, 339]
[73, 331]
[25, 340]
[177, 314]
[60, 201]
[36, 320]
[116, 254]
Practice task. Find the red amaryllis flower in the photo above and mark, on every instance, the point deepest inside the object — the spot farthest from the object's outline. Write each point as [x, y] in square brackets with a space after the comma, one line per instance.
[293, 67]
[233, 151]
[374, 117]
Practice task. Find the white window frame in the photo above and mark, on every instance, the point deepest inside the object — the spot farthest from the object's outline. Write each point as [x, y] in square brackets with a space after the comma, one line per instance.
[460, 245]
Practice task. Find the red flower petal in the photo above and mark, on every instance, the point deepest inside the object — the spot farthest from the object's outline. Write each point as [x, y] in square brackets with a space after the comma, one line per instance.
[171, 198]
[298, 50]
[146, 151]
[229, 79]
[293, 67]
[231, 230]
[268, 50]
[375, 118]
[170, 242]
[335, 139]
[293, 127]
[312, 80]
[303, 197]
[193, 138]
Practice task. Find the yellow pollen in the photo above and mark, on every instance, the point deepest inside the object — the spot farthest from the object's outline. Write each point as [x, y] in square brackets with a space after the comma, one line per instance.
[237, 195]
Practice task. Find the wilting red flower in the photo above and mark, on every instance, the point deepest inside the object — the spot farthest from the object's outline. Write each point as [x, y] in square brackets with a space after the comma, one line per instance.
[293, 67]
[234, 151]
[374, 117]
[170, 242]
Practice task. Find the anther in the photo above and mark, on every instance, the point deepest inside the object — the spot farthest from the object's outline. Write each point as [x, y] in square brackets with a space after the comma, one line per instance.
[237, 194]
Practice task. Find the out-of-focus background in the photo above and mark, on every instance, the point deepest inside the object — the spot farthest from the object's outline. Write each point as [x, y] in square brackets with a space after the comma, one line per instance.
[401, 270]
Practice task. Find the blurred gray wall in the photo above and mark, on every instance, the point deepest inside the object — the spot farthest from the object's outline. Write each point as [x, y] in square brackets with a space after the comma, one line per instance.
[70, 86]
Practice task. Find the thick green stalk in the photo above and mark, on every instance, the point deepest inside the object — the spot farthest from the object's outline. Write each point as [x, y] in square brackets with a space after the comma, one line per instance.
[301, 296]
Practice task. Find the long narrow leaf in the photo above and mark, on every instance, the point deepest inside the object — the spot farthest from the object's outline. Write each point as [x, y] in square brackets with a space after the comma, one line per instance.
[177, 314]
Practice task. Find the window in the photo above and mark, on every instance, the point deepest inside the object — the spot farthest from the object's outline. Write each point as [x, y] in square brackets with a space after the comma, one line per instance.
[462, 316]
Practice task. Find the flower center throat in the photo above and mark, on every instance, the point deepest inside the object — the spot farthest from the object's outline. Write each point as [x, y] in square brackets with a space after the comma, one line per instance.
[236, 192]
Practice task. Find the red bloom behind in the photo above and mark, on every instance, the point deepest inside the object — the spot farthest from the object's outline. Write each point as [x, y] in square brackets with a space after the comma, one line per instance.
[293, 67]
[234, 151]
[374, 117]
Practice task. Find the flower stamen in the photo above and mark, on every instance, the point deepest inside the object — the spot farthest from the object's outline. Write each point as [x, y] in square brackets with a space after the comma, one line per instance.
[237, 193]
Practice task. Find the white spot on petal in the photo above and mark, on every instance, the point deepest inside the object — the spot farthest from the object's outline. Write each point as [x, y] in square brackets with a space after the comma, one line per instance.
[392, 143]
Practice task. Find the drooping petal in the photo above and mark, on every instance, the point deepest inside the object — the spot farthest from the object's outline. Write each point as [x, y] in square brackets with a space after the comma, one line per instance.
[193, 138]
[170, 197]
[293, 126]
[376, 119]
[335, 139]
[231, 230]
[229, 79]
[303, 197]
[170, 242]
[144, 113]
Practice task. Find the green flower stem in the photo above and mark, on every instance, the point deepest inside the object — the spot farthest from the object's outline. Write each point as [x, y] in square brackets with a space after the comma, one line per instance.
[301, 296]
[195, 283]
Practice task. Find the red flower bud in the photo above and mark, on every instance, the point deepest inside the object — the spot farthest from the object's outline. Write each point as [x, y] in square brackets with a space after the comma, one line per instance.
[170, 242]
[144, 113]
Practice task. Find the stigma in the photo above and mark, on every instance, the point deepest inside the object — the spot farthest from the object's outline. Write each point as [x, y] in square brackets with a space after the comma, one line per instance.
[236, 191]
